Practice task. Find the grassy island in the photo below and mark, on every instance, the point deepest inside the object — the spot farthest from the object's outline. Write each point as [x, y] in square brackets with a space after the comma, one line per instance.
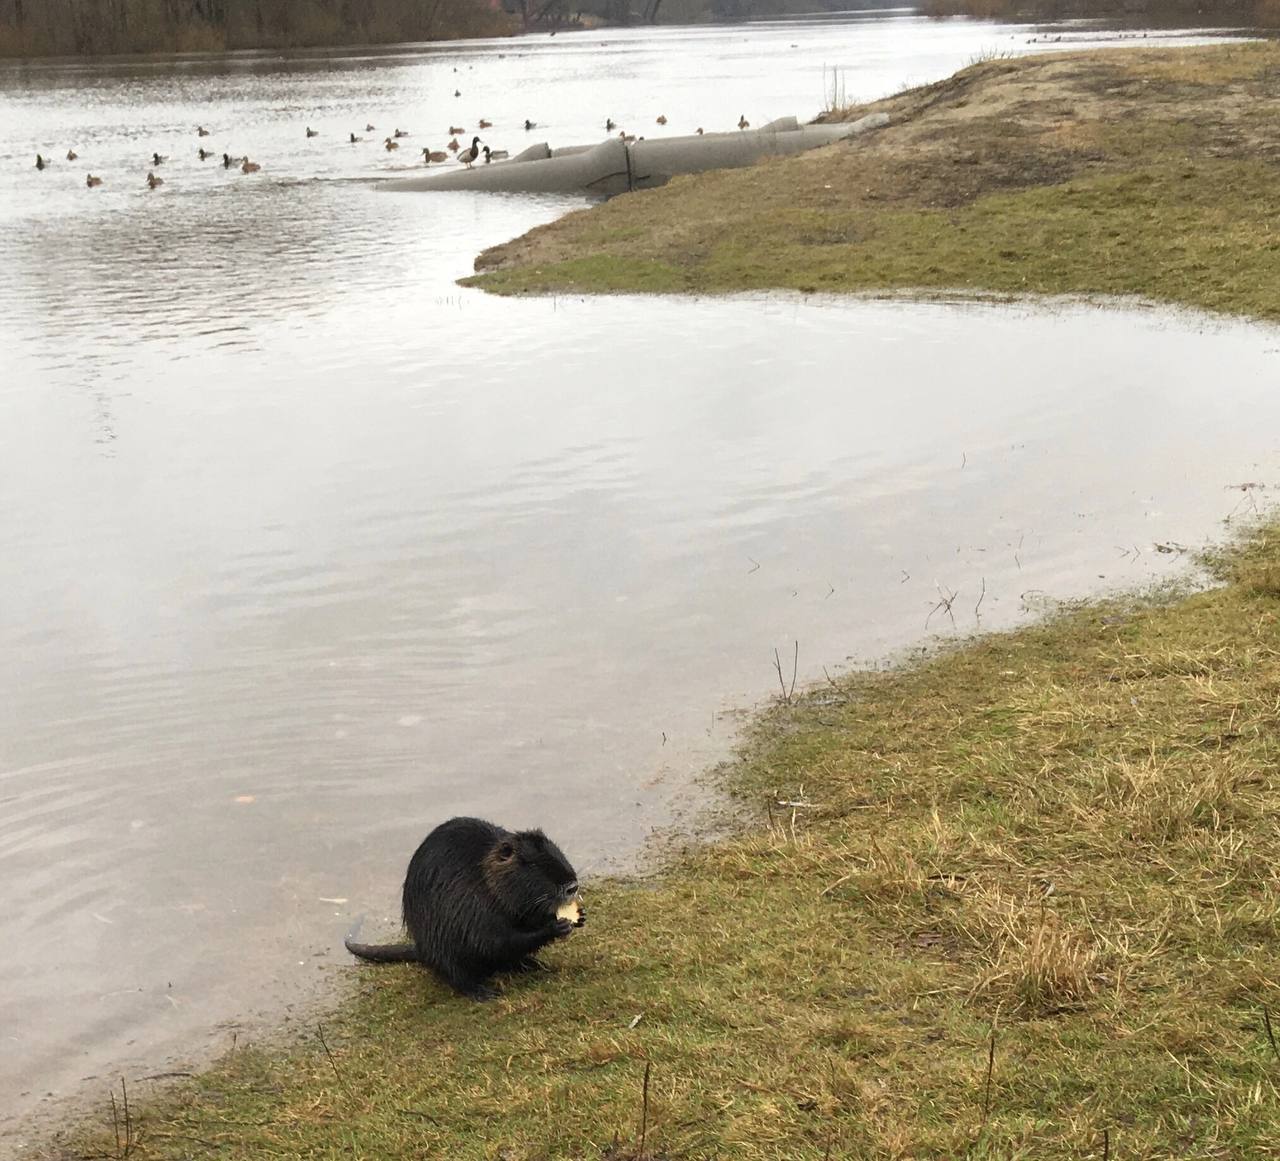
[1028, 906]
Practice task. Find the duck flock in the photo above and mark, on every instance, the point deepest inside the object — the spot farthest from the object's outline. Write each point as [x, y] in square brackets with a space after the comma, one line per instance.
[466, 155]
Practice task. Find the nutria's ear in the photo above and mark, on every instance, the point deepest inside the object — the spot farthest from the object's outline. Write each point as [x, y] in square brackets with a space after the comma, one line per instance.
[506, 851]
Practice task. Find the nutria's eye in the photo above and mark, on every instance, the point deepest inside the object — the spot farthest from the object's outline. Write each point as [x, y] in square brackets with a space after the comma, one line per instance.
[506, 851]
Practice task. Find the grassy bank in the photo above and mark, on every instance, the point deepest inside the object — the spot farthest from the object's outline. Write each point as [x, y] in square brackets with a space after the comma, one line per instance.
[1032, 912]
[1151, 173]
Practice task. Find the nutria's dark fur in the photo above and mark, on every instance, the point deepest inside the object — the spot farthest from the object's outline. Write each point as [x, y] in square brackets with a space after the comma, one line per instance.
[479, 900]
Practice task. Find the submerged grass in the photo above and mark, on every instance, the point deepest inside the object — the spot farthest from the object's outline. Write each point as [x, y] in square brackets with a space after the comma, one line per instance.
[1149, 173]
[1060, 842]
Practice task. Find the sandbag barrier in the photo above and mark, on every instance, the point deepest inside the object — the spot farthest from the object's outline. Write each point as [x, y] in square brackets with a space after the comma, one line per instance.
[616, 166]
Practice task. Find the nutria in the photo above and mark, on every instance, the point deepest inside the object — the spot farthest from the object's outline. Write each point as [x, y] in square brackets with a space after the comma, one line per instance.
[479, 900]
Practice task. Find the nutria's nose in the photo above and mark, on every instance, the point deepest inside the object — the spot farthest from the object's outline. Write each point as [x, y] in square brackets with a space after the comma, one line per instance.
[571, 889]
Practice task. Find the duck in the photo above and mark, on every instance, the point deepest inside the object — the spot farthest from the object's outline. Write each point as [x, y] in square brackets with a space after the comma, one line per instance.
[72, 155]
[312, 132]
[400, 133]
[153, 181]
[204, 153]
[250, 166]
[530, 124]
[468, 155]
[201, 131]
[92, 181]
[227, 163]
[662, 118]
[429, 155]
[627, 138]
[389, 145]
[369, 129]
[610, 124]
[40, 162]
[453, 145]
[454, 130]
[485, 124]
[495, 155]
[699, 130]
[743, 123]
[354, 138]
[157, 160]
[457, 92]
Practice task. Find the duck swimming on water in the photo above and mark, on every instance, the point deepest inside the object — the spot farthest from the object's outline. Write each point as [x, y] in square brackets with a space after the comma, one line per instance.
[530, 124]
[157, 160]
[494, 155]
[71, 155]
[153, 181]
[743, 123]
[250, 166]
[312, 132]
[92, 181]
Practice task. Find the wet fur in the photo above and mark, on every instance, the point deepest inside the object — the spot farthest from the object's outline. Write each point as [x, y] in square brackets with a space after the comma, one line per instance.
[479, 900]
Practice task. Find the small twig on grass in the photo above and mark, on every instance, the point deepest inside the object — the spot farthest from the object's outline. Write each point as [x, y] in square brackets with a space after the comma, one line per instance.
[644, 1110]
[795, 666]
[115, 1120]
[1271, 1036]
[991, 1067]
[977, 616]
[332, 1063]
[1106, 1145]
[125, 1147]
[782, 685]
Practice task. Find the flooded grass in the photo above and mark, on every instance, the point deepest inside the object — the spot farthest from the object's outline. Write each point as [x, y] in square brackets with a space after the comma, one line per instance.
[1150, 174]
[1016, 901]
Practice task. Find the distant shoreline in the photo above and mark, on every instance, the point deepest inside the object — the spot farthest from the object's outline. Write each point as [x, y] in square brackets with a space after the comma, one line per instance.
[54, 29]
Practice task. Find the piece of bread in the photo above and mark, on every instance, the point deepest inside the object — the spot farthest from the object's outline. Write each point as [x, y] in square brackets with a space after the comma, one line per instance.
[572, 911]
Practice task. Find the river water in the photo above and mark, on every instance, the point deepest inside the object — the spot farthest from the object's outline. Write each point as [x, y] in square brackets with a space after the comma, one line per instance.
[303, 549]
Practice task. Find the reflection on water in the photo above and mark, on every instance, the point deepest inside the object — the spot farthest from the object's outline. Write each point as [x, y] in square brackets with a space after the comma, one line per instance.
[303, 548]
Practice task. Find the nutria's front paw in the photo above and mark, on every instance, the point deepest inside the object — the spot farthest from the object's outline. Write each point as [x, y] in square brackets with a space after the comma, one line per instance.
[582, 916]
[560, 928]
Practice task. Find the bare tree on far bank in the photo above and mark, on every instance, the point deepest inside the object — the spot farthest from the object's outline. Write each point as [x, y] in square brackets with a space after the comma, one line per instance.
[89, 27]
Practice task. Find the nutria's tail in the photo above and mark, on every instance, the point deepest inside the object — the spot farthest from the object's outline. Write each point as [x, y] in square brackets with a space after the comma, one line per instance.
[384, 952]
